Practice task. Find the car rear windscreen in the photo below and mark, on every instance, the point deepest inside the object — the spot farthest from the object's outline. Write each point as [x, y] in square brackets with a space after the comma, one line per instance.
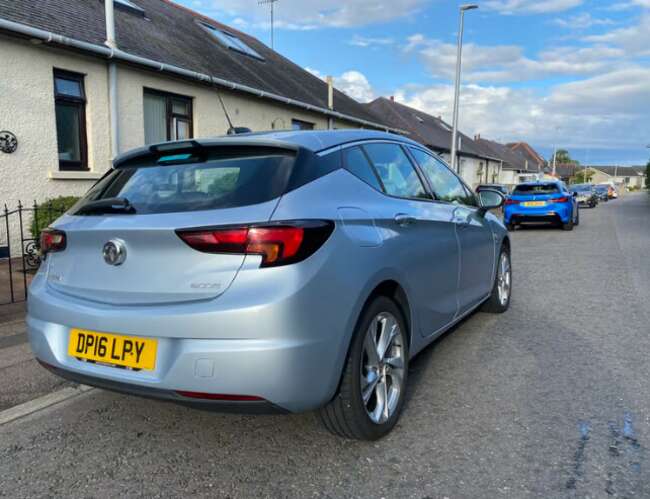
[216, 182]
[536, 189]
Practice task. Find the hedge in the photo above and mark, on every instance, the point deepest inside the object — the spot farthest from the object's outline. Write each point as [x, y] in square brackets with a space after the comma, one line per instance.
[48, 211]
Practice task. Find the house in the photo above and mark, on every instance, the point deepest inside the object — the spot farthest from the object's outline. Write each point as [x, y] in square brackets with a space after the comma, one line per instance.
[475, 164]
[631, 177]
[514, 166]
[78, 89]
[533, 160]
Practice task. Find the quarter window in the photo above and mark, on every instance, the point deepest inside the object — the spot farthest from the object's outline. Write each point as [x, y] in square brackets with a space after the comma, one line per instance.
[357, 163]
[395, 170]
[446, 186]
[70, 109]
[166, 117]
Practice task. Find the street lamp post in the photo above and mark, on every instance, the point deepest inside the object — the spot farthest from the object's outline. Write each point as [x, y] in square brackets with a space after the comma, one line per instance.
[454, 134]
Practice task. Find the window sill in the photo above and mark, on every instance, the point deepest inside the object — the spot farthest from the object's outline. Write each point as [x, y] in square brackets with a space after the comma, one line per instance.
[72, 175]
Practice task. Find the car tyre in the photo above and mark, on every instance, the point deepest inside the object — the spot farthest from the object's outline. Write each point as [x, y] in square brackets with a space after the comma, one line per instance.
[359, 410]
[511, 227]
[577, 218]
[499, 300]
[569, 225]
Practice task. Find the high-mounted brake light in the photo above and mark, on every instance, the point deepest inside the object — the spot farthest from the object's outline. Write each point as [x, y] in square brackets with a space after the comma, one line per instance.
[278, 244]
[52, 241]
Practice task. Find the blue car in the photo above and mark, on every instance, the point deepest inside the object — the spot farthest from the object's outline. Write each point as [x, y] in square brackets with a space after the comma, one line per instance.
[542, 202]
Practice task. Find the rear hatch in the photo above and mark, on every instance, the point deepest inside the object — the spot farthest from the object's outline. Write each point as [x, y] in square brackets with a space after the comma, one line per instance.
[535, 195]
[140, 206]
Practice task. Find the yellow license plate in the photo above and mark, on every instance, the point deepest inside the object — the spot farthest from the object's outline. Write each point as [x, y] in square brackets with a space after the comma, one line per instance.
[127, 351]
[534, 204]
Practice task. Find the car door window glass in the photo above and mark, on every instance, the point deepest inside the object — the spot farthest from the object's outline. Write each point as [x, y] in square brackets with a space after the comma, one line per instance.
[396, 171]
[446, 186]
[357, 163]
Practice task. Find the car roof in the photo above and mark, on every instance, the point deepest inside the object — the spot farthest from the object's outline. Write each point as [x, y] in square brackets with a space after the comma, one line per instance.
[541, 182]
[313, 140]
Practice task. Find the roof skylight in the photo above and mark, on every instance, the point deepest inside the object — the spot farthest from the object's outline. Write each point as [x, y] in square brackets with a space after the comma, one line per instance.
[129, 5]
[232, 42]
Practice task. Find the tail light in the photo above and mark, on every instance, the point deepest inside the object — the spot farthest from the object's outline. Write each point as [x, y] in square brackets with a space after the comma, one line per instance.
[511, 201]
[278, 244]
[52, 241]
[563, 199]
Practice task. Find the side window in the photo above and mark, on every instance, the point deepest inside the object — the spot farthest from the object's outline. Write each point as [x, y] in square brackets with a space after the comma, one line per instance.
[356, 162]
[446, 186]
[396, 171]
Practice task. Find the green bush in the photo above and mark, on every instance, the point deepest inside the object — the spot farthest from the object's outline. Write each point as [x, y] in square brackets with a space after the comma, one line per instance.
[48, 211]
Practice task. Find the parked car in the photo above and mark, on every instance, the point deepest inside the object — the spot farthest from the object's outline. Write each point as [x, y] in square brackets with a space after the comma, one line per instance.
[611, 191]
[586, 195]
[542, 201]
[286, 271]
[602, 191]
[494, 187]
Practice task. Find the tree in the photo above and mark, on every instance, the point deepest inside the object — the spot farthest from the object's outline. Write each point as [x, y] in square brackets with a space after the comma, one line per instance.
[562, 157]
[583, 176]
[647, 175]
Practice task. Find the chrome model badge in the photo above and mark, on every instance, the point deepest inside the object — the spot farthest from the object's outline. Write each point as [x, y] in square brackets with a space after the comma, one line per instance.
[114, 252]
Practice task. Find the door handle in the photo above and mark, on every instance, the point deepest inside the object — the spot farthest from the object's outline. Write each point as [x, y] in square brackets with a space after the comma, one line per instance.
[404, 220]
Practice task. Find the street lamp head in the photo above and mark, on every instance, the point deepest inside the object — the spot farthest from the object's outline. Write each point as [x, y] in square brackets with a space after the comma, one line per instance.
[468, 6]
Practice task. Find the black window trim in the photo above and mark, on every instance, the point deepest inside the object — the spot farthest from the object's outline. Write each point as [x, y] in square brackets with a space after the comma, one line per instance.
[440, 160]
[80, 102]
[424, 183]
[169, 109]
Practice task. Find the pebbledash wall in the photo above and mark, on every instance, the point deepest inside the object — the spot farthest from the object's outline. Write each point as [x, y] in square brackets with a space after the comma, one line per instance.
[27, 109]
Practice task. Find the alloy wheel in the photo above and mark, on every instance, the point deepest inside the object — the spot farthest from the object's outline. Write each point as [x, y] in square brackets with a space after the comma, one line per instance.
[504, 279]
[382, 367]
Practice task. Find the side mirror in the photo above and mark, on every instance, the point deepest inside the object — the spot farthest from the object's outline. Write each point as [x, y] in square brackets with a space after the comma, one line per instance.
[490, 200]
[575, 194]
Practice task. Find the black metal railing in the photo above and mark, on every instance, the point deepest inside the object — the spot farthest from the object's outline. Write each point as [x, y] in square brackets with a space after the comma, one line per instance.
[19, 246]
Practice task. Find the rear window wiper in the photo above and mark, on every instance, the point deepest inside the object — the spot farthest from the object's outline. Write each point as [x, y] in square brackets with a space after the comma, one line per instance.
[107, 205]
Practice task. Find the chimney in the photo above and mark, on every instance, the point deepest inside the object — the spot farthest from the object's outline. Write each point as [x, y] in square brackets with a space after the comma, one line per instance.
[392, 98]
[110, 24]
[477, 136]
[330, 92]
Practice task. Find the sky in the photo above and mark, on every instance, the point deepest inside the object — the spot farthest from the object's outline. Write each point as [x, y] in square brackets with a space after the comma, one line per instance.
[572, 74]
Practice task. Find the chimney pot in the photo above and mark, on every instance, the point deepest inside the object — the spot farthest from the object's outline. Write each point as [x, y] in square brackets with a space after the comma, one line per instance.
[392, 98]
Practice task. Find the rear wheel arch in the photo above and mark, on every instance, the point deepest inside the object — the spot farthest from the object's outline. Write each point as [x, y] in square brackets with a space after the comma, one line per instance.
[393, 290]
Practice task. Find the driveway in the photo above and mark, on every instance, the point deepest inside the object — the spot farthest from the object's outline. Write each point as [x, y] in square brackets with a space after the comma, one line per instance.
[551, 399]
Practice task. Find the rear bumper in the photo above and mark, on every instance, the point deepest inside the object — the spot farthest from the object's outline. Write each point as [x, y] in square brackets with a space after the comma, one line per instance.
[255, 407]
[280, 337]
[550, 213]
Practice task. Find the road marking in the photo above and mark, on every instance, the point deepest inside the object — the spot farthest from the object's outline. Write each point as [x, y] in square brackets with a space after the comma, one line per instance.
[33, 406]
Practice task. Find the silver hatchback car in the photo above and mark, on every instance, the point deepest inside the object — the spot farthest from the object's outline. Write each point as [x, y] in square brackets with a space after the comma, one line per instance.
[283, 271]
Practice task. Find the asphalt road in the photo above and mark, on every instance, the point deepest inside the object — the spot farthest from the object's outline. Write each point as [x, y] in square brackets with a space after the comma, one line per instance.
[549, 400]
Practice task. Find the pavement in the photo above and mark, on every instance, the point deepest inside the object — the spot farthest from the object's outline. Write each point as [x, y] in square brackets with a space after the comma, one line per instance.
[550, 400]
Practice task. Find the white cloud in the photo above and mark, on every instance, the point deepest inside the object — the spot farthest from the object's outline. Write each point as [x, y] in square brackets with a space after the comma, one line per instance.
[510, 7]
[609, 110]
[581, 21]
[620, 6]
[312, 14]
[352, 83]
[635, 40]
[364, 41]
[507, 63]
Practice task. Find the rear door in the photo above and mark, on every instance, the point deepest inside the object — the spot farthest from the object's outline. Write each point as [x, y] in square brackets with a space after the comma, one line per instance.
[475, 238]
[221, 189]
[424, 246]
